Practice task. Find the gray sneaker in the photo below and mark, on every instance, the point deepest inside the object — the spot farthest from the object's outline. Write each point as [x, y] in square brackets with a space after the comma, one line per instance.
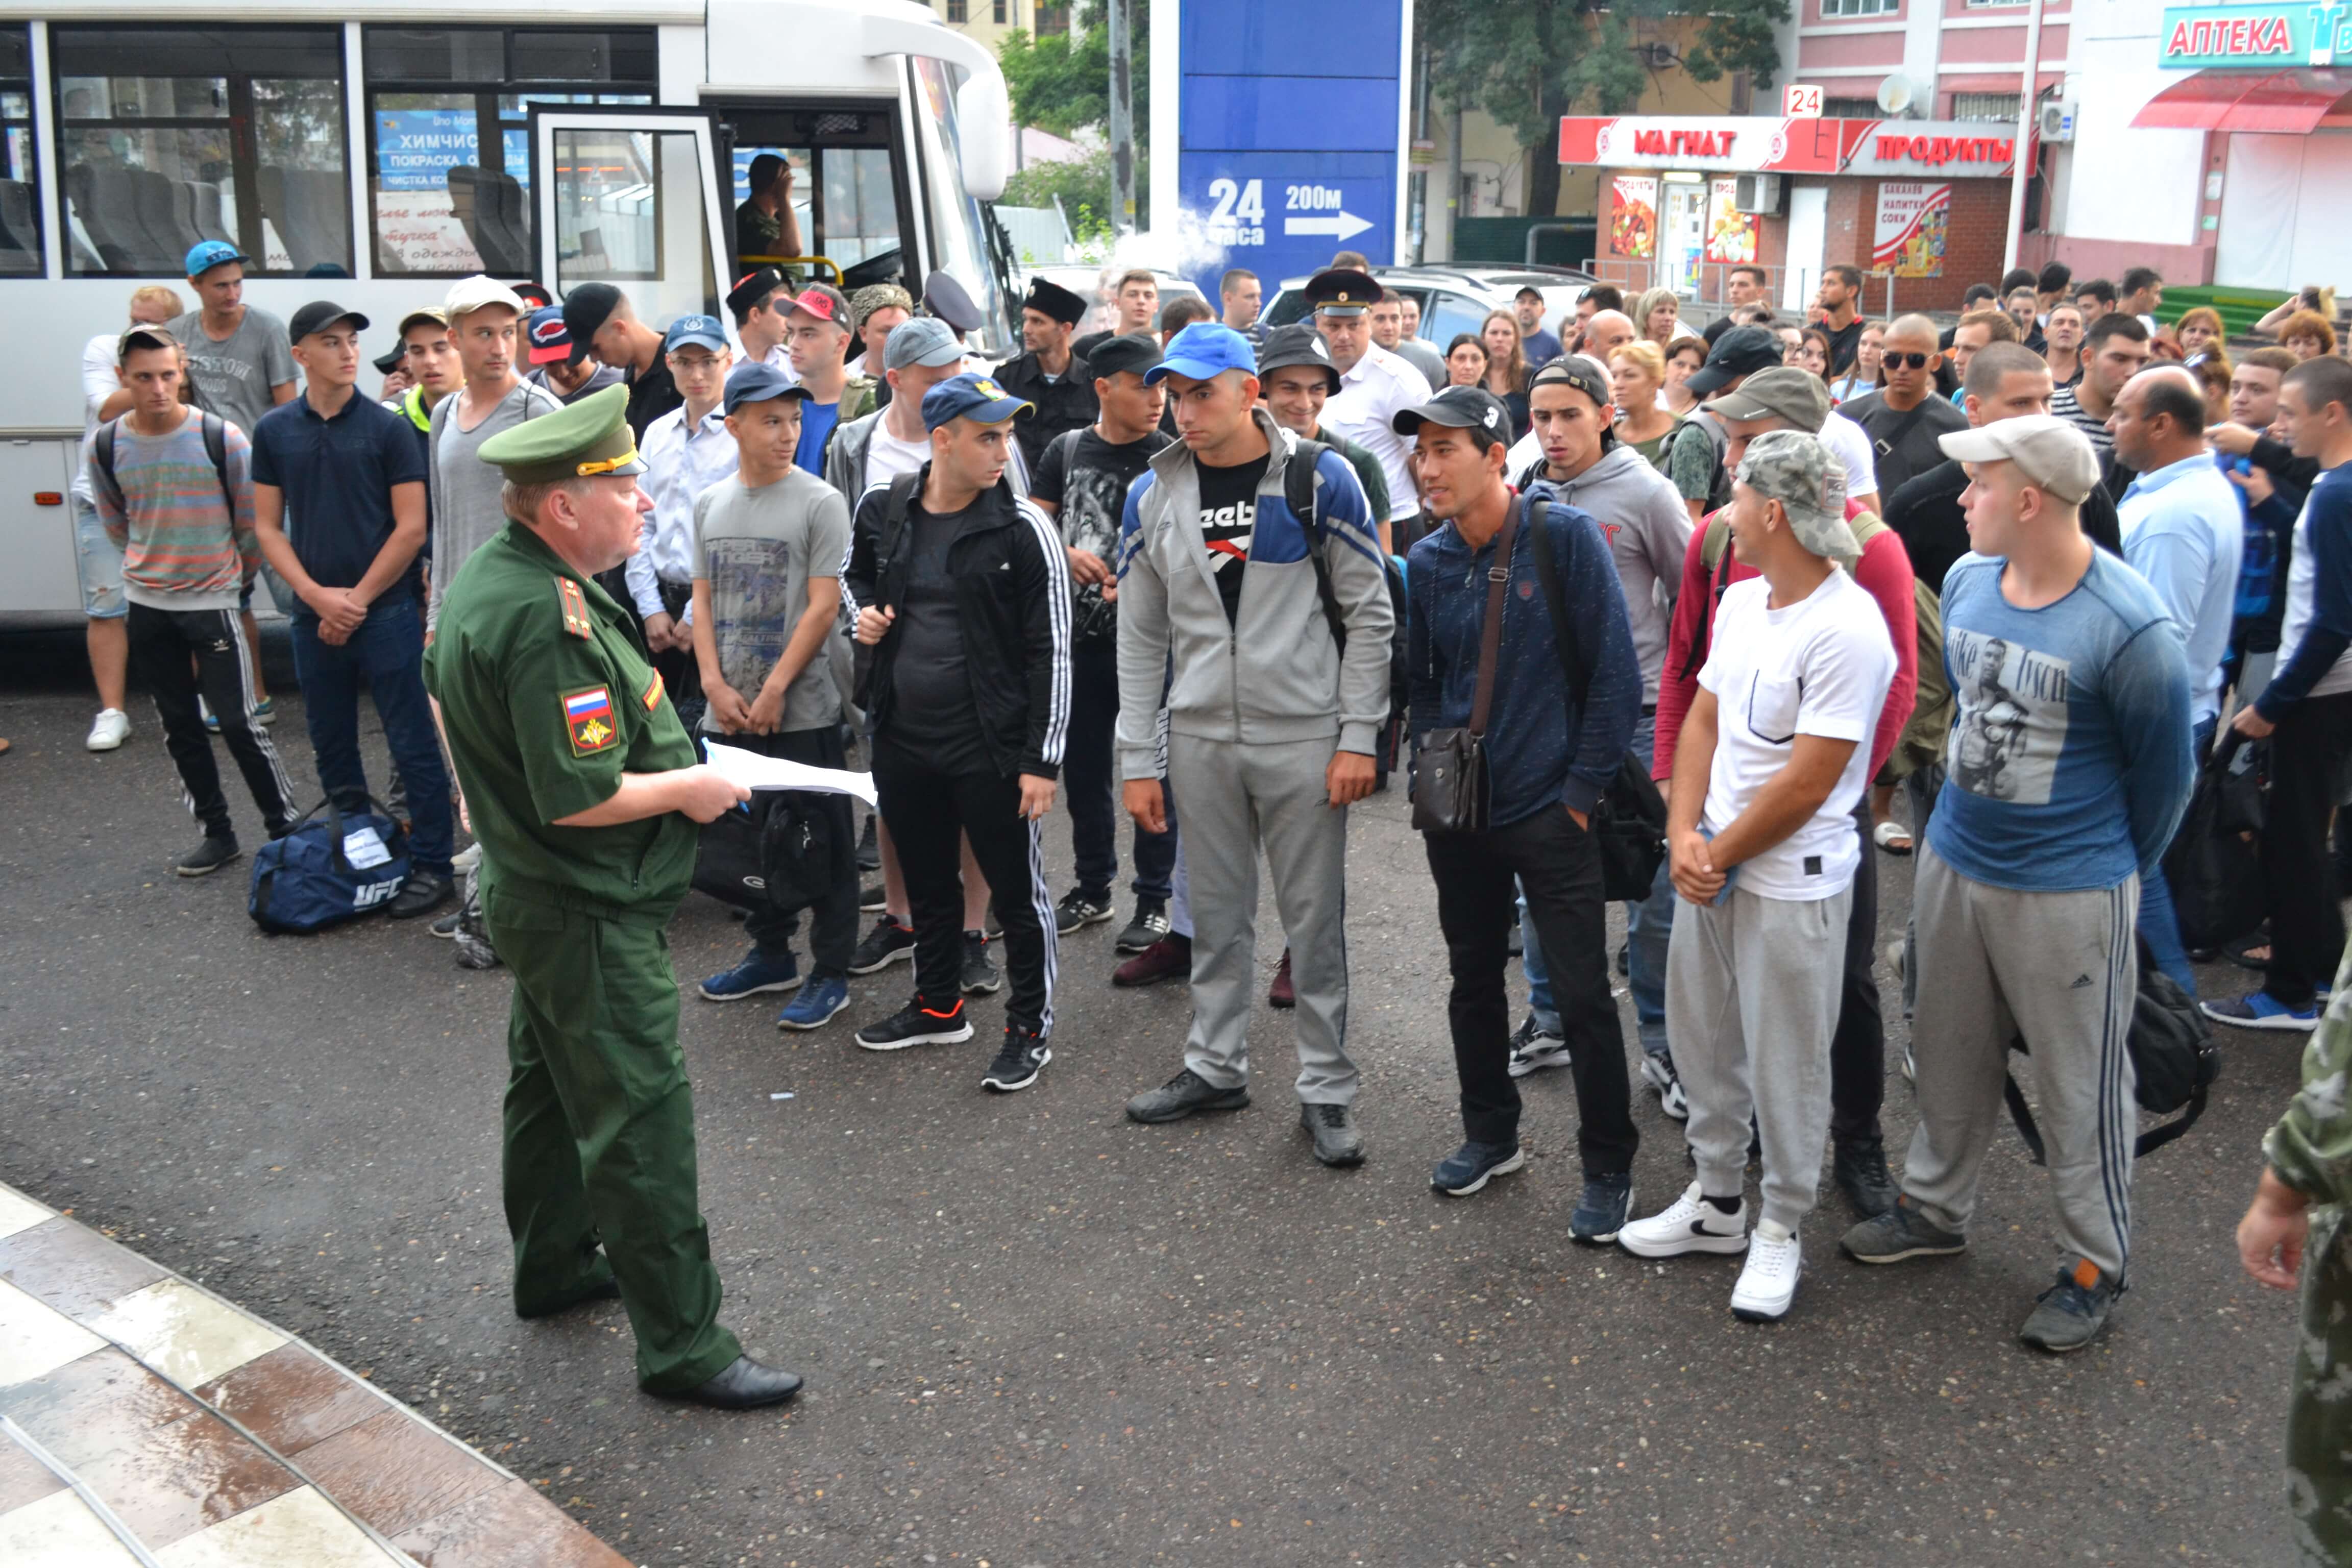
[1338, 1141]
[1901, 1232]
[1182, 1095]
[2070, 1314]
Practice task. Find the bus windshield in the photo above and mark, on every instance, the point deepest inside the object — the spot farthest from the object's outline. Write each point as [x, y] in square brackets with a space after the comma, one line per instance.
[961, 223]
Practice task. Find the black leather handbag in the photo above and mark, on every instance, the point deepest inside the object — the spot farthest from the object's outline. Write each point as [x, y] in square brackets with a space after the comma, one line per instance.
[1449, 791]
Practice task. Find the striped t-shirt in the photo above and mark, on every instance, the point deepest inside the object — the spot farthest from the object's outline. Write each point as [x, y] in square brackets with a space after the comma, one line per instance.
[182, 548]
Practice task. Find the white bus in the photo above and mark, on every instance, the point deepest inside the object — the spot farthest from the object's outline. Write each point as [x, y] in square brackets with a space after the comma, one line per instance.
[373, 161]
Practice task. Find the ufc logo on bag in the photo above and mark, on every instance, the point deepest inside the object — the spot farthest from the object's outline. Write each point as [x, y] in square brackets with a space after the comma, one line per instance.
[374, 893]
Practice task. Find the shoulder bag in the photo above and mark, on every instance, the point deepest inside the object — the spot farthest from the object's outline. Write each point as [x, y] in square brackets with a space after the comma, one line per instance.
[1449, 792]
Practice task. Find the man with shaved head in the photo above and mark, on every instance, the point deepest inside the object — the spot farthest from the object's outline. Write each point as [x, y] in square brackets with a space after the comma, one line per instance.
[1903, 418]
[1606, 332]
[2183, 531]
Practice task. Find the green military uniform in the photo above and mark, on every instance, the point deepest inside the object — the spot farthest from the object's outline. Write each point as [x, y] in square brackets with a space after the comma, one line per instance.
[2311, 1151]
[547, 698]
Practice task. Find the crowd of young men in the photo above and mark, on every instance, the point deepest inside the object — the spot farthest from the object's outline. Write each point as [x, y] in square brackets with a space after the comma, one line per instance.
[1131, 569]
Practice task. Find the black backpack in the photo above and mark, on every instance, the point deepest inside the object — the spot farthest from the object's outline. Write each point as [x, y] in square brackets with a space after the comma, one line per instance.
[2173, 1058]
[1298, 493]
[215, 431]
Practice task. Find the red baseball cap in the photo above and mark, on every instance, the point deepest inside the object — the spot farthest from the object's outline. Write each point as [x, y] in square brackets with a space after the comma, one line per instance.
[824, 302]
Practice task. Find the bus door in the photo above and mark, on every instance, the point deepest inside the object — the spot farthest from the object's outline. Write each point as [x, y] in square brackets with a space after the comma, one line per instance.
[630, 197]
[850, 190]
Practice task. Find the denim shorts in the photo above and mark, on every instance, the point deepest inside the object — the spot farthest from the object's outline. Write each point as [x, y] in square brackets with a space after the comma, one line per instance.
[98, 562]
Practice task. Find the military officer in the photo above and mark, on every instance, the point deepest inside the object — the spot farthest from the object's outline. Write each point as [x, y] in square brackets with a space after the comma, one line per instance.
[1048, 375]
[583, 788]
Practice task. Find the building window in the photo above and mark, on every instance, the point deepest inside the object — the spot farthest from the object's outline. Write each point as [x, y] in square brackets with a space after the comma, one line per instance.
[1004, 15]
[1053, 21]
[958, 13]
[444, 198]
[1982, 4]
[171, 136]
[1852, 109]
[1832, 9]
[1996, 106]
[20, 215]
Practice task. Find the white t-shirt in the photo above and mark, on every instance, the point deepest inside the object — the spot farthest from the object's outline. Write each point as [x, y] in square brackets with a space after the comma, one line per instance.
[1819, 667]
[99, 383]
[1849, 443]
[886, 456]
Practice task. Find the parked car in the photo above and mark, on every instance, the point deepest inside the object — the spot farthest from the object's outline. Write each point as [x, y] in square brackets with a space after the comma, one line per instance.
[1453, 299]
[1085, 282]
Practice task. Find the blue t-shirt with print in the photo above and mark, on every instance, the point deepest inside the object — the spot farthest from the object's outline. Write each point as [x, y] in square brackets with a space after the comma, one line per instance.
[2069, 763]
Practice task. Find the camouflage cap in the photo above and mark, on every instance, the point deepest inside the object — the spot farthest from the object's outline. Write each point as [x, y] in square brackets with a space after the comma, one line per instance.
[879, 297]
[1803, 475]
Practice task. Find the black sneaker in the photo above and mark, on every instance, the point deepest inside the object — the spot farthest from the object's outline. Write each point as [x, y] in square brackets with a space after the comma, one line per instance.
[886, 944]
[1862, 1177]
[1337, 1141]
[869, 848]
[2069, 1315]
[1077, 909]
[980, 976]
[916, 1024]
[1182, 1095]
[1471, 1166]
[1150, 924]
[1018, 1062]
[208, 857]
[421, 894]
[1602, 1212]
[990, 926]
[873, 900]
[1901, 1233]
[445, 928]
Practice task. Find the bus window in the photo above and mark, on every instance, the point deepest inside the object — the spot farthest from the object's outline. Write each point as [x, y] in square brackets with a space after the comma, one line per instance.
[845, 187]
[170, 136]
[629, 206]
[20, 222]
[445, 199]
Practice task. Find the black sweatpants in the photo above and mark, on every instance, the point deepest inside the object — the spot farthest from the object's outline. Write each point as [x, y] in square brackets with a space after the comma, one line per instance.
[833, 919]
[1089, 771]
[2308, 754]
[177, 654]
[1858, 1048]
[1480, 878]
[926, 810]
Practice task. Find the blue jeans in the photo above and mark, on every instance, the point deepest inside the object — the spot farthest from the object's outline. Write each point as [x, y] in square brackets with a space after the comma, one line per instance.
[2157, 922]
[1649, 924]
[387, 652]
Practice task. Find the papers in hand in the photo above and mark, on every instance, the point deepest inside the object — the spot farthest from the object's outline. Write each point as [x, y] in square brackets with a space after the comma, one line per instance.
[753, 770]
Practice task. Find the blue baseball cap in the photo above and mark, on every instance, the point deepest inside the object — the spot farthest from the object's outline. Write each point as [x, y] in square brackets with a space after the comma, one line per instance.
[203, 258]
[703, 329]
[1201, 351]
[755, 380]
[970, 396]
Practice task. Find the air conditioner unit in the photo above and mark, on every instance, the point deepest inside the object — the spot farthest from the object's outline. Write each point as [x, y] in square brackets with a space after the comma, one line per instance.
[1757, 193]
[2054, 121]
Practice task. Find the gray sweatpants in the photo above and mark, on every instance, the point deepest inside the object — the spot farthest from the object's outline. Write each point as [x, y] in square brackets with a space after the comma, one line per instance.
[2060, 969]
[1234, 798]
[1752, 991]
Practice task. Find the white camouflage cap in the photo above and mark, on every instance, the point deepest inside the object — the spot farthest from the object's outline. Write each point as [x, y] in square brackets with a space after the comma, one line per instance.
[1799, 471]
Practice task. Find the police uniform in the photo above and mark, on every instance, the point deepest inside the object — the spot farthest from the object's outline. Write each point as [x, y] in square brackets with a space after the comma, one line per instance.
[547, 698]
[1062, 403]
[1372, 393]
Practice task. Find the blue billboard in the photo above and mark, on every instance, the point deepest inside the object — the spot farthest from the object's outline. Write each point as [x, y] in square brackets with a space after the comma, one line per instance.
[1288, 133]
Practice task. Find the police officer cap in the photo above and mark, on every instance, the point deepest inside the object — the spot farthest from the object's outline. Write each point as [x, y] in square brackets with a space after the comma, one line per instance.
[752, 289]
[588, 438]
[1048, 298]
[1341, 291]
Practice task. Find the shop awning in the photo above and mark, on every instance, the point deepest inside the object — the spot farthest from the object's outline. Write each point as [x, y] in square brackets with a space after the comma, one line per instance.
[2294, 101]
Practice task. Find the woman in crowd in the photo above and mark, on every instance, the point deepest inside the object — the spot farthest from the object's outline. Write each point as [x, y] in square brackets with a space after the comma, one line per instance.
[1466, 361]
[1869, 365]
[1811, 352]
[1683, 359]
[1656, 312]
[2307, 334]
[1637, 371]
[2200, 332]
[1507, 368]
[2064, 333]
[2213, 372]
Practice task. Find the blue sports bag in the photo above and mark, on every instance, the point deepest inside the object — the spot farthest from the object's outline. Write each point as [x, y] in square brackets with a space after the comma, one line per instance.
[330, 868]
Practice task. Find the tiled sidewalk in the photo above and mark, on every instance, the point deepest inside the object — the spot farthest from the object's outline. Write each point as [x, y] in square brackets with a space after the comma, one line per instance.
[143, 1421]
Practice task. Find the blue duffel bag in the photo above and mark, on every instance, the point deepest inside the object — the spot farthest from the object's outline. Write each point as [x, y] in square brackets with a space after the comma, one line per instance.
[329, 868]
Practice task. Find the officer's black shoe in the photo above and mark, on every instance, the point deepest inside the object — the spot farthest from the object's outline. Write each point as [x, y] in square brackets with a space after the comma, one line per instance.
[1338, 1140]
[605, 1290]
[1862, 1176]
[746, 1384]
[421, 894]
[1180, 1096]
[208, 857]
[869, 848]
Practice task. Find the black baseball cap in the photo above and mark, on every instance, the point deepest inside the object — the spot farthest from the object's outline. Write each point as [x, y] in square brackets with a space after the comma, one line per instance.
[1578, 371]
[1288, 347]
[1743, 351]
[1460, 408]
[585, 309]
[389, 361]
[1137, 352]
[318, 316]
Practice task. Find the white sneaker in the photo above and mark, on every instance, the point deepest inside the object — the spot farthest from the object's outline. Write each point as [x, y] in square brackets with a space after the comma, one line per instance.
[1692, 1224]
[1768, 1282]
[468, 859]
[1659, 1073]
[113, 728]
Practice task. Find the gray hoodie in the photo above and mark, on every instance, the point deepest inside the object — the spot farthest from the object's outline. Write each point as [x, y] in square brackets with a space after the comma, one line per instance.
[1275, 675]
[1649, 529]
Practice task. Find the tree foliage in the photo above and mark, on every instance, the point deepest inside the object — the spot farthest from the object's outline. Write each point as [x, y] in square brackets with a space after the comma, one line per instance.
[1061, 82]
[1528, 63]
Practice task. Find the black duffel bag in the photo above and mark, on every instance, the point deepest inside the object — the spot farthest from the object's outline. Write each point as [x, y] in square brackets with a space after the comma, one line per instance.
[2214, 867]
[2174, 1062]
[1629, 821]
[782, 848]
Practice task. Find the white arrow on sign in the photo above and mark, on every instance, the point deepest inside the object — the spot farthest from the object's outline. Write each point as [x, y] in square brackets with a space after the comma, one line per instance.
[1339, 225]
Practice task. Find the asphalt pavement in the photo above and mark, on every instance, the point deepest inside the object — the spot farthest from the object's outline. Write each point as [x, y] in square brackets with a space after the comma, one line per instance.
[1035, 1333]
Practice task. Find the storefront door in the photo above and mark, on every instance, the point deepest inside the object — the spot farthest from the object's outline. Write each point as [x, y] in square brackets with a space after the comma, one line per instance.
[1809, 233]
[1682, 240]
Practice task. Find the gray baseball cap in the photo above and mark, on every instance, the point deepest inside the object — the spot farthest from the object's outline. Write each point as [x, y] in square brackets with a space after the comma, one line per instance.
[1784, 392]
[2049, 451]
[921, 340]
[1799, 471]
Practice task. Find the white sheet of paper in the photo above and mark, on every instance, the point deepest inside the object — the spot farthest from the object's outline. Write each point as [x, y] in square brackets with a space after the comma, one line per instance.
[362, 848]
[755, 771]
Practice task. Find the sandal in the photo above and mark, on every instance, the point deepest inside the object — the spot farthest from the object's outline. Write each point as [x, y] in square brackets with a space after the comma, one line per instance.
[1891, 836]
[2242, 952]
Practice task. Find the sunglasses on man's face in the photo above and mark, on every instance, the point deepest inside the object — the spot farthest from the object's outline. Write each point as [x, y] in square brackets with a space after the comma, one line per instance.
[1907, 362]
